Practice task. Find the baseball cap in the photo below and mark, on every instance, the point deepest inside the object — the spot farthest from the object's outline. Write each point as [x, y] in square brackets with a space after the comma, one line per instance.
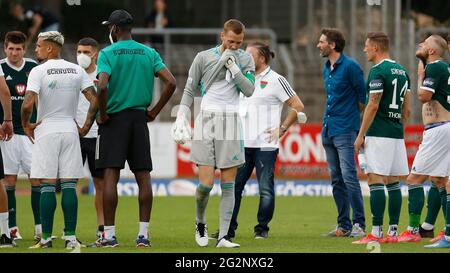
[119, 17]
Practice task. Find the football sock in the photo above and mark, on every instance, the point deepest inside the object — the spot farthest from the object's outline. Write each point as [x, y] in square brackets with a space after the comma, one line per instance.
[48, 206]
[4, 224]
[110, 232]
[69, 203]
[143, 228]
[447, 219]
[377, 204]
[416, 200]
[11, 193]
[202, 197]
[394, 203]
[433, 205]
[226, 207]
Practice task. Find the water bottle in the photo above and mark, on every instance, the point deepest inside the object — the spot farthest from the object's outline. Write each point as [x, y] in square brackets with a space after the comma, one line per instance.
[362, 160]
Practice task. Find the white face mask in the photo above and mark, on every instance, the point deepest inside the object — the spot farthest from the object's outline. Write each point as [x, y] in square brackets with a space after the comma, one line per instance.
[84, 60]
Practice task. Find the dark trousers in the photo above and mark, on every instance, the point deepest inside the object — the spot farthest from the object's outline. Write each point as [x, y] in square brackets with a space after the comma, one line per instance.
[264, 162]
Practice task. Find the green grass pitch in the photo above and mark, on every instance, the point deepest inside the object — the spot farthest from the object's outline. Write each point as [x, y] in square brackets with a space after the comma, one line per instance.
[297, 227]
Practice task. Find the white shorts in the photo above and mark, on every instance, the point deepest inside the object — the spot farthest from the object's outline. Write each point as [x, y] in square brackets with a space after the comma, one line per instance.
[16, 154]
[57, 155]
[433, 156]
[386, 156]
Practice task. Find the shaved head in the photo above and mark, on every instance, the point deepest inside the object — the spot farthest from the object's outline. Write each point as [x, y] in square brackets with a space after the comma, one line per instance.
[439, 44]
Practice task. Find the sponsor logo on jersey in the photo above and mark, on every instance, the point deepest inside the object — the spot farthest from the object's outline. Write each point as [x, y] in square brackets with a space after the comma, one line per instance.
[20, 89]
[376, 84]
[428, 82]
[52, 85]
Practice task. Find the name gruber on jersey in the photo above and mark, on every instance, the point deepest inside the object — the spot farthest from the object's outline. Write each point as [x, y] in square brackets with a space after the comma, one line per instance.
[17, 98]
[54, 71]
[396, 71]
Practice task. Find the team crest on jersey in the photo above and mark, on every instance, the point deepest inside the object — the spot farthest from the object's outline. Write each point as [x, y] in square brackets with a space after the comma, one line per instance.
[20, 89]
[264, 84]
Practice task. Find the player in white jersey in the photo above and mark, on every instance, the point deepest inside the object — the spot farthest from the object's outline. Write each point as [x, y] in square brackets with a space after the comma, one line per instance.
[57, 84]
[87, 53]
[221, 73]
[6, 132]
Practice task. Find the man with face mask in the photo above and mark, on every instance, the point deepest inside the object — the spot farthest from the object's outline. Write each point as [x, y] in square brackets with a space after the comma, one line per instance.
[126, 72]
[17, 152]
[87, 53]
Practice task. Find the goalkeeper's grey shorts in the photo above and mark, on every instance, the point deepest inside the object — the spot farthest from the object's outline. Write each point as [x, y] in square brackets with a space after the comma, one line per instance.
[218, 140]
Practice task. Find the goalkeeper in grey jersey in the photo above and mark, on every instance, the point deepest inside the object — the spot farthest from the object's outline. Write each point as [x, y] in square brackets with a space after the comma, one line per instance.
[220, 74]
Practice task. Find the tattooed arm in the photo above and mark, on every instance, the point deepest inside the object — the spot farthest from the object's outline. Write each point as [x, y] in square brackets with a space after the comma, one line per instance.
[25, 113]
[90, 94]
[368, 117]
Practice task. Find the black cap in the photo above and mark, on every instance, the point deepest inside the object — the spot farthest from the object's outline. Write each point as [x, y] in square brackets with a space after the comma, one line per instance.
[119, 17]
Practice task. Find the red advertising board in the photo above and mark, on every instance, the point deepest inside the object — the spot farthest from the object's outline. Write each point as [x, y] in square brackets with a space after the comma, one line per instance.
[301, 154]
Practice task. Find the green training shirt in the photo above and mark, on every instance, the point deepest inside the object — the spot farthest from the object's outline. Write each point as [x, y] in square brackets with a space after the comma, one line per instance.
[132, 68]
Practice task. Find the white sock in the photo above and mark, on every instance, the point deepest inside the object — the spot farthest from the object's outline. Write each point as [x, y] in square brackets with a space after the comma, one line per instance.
[409, 228]
[393, 230]
[38, 229]
[427, 226]
[110, 231]
[447, 238]
[4, 224]
[143, 227]
[71, 238]
[377, 231]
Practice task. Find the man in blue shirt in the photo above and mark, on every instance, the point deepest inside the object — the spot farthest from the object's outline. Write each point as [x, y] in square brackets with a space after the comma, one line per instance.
[344, 84]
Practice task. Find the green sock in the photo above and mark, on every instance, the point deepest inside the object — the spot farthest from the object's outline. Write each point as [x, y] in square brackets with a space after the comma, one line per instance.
[202, 197]
[433, 205]
[35, 199]
[377, 203]
[447, 218]
[443, 194]
[12, 206]
[395, 202]
[416, 200]
[48, 206]
[69, 203]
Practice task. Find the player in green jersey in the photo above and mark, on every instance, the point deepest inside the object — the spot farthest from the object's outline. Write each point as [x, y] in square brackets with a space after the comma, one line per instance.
[17, 152]
[381, 135]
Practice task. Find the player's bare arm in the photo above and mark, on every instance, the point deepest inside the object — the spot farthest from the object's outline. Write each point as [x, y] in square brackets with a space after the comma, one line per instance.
[102, 97]
[170, 86]
[406, 108]
[26, 111]
[5, 98]
[296, 106]
[91, 96]
[368, 117]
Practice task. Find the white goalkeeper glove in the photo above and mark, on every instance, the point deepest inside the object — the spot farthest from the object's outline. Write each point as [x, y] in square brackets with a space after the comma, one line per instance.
[181, 129]
[231, 65]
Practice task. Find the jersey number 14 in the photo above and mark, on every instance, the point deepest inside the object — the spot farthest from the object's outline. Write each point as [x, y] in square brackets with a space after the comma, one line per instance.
[394, 104]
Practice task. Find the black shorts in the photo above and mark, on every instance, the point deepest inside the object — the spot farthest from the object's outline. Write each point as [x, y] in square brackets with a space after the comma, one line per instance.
[123, 137]
[88, 152]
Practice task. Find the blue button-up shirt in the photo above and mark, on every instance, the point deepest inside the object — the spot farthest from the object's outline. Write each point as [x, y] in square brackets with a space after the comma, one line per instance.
[345, 88]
